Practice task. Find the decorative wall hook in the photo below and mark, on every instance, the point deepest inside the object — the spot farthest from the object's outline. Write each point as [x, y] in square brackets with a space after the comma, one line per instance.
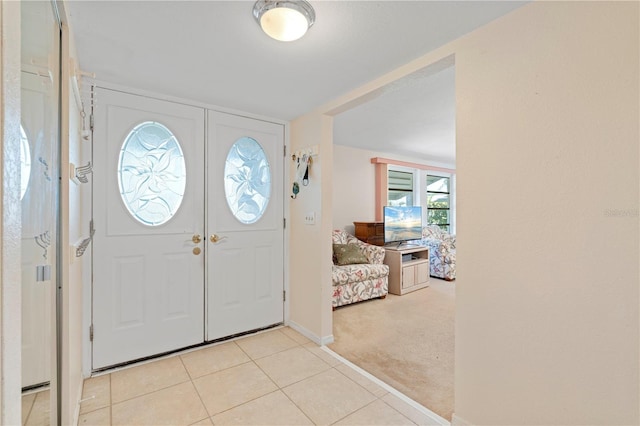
[44, 241]
[309, 152]
[302, 172]
[79, 174]
[82, 246]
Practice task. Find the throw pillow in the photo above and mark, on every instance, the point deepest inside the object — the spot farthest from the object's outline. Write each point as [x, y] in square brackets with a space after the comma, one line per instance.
[348, 254]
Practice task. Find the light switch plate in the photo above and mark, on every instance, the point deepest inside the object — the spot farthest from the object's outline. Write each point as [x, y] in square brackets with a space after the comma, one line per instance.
[310, 218]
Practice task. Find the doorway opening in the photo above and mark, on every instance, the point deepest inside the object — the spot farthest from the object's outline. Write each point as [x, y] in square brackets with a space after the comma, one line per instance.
[408, 127]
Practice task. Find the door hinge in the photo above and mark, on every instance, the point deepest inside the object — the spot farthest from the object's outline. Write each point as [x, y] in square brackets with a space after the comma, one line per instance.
[91, 122]
[284, 222]
[284, 154]
[284, 295]
[91, 333]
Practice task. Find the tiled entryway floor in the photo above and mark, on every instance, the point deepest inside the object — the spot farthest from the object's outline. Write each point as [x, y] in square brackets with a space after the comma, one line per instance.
[277, 377]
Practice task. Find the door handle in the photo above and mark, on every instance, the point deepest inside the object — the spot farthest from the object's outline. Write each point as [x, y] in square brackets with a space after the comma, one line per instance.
[196, 238]
[214, 238]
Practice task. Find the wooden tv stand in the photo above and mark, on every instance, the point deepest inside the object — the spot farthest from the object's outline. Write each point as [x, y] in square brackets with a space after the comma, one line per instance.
[408, 268]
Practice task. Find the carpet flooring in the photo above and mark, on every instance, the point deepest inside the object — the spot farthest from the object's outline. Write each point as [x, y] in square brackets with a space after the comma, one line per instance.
[405, 341]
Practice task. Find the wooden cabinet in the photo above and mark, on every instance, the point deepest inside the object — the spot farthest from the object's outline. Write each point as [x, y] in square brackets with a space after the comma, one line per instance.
[370, 232]
[408, 269]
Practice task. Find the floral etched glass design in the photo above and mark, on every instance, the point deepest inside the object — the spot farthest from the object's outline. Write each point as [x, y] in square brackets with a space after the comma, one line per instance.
[151, 173]
[247, 180]
[25, 163]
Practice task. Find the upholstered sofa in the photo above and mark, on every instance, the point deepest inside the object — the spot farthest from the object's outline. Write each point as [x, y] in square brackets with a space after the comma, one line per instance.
[442, 252]
[355, 282]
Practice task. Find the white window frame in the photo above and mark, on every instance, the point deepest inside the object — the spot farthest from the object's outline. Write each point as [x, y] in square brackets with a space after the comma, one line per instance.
[452, 196]
[416, 188]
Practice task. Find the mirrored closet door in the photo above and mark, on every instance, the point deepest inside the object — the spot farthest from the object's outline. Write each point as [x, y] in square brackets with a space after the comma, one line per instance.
[40, 76]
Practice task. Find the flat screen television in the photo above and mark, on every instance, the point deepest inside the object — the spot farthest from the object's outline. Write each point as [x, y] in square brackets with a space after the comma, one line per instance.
[402, 223]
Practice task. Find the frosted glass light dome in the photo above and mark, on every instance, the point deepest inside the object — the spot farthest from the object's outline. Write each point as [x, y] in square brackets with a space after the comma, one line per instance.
[284, 20]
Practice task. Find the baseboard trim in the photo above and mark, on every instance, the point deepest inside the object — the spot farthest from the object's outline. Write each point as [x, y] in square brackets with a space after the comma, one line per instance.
[327, 340]
[321, 341]
[424, 410]
[458, 421]
[76, 411]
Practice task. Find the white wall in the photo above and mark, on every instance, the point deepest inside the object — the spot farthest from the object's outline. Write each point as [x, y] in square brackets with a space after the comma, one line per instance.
[547, 296]
[547, 319]
[354, 190]
[310, 252]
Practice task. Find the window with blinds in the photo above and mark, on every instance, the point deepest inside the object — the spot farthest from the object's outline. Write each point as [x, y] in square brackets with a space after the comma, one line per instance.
[400, 188]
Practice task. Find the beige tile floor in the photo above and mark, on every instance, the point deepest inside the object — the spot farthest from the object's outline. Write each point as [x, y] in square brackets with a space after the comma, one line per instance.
[277, 377]
[35, 408]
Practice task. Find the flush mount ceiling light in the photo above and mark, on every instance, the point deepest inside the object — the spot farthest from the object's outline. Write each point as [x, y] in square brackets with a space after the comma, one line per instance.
[284, 20]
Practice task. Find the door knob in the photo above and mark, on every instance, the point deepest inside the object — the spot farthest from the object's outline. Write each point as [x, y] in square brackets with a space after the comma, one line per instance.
[196, 238]
[214, 238]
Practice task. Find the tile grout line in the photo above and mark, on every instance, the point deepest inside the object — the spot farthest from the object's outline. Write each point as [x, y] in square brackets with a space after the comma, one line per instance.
[391, 390]
[246, 402]
[155, 390]
[281, 389]
[297, 381]
[278, 387]
[243, 351]
[395, 409]
[316, 355]
[277, 352]
[26, 419]
[185, 368]
[298, 407]
[365, 406]
[152, 392]
[197, 393]
[251, 360]
[376, 396]
[330, 367]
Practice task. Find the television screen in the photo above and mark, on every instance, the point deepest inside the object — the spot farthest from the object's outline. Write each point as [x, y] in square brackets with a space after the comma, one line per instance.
[402, 223]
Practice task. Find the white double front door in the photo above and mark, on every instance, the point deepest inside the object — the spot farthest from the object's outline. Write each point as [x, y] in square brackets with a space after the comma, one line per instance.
[189, 226]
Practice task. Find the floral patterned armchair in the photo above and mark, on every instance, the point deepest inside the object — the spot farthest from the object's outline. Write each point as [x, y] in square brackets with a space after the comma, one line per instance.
[360, 281]
[442, 252]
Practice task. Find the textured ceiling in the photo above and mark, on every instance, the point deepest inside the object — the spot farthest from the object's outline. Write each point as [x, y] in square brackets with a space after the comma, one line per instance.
[414, 118]
[214, 52]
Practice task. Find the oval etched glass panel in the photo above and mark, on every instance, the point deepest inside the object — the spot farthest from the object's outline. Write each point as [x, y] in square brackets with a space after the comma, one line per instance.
[151, 173]
[25, 162]
[247, 180]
